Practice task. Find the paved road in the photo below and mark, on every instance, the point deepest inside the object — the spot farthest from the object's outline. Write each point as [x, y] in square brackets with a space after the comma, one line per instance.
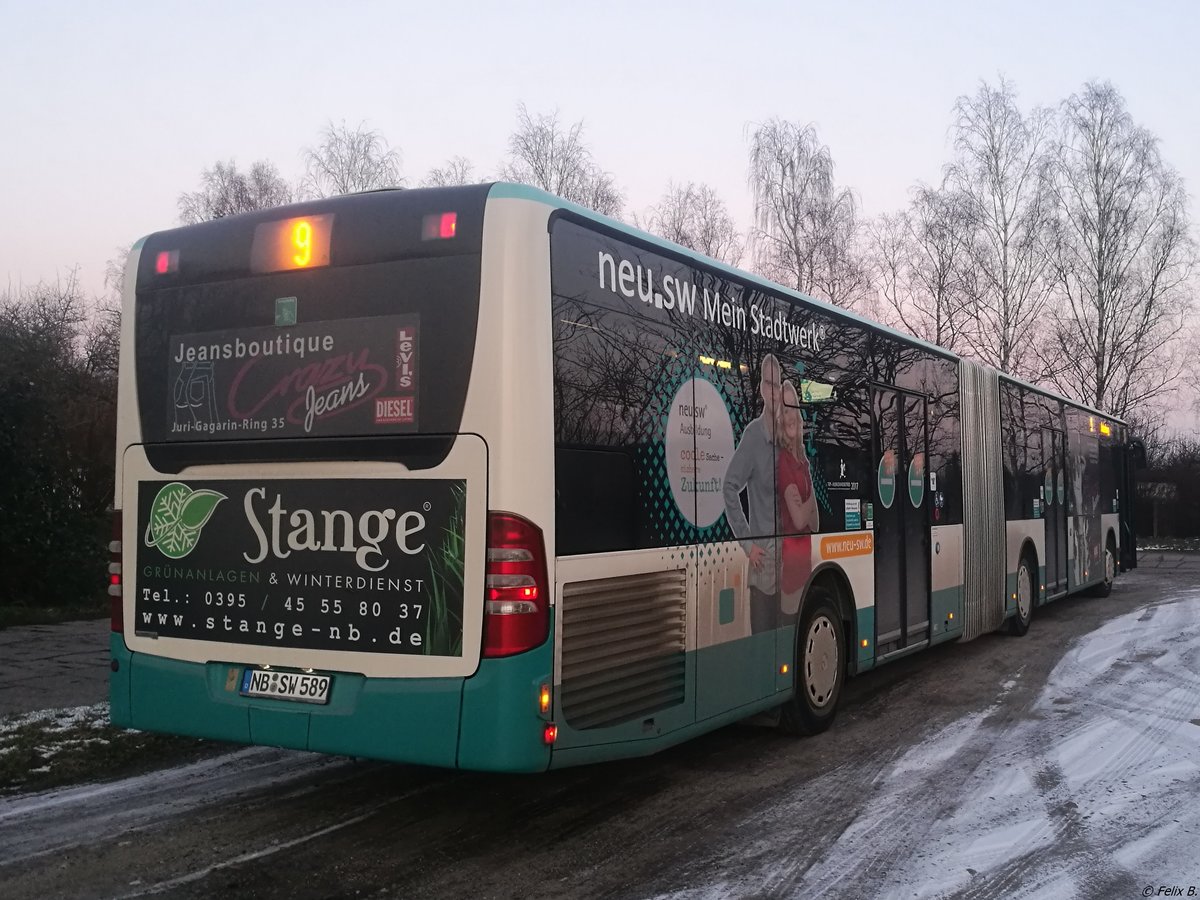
[1169, 559]
[1047, 765]
[52, 666]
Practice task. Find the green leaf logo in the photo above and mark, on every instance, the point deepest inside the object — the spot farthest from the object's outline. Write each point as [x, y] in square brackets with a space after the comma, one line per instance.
[176, 517]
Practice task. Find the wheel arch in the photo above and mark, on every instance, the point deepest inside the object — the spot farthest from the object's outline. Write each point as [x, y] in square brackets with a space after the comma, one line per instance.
[834, 577]
[1029, 549]
[1112, 541]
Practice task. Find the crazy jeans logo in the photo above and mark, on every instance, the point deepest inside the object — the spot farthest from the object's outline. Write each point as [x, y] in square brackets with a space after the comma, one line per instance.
[177, 516]
[312, 392]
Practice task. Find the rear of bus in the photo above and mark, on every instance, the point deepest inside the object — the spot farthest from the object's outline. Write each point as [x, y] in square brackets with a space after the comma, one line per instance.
[333, 502]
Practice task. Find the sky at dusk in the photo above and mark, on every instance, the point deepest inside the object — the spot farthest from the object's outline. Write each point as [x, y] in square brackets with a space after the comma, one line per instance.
[111, 110]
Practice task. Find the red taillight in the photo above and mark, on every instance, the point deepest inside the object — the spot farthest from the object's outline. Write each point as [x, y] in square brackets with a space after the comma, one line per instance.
[439, 226]
[516, 607]
[166, 262]
[115, 600]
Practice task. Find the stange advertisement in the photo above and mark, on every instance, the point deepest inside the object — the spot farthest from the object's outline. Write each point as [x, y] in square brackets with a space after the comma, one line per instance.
[363, 565]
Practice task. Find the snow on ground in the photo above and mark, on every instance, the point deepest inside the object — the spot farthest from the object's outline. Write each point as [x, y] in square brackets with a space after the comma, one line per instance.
[1092, 791]
[52, 720]
[55, 731]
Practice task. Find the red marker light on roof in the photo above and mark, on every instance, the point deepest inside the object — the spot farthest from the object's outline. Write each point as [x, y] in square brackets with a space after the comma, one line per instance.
[166, 262]
[439, 226]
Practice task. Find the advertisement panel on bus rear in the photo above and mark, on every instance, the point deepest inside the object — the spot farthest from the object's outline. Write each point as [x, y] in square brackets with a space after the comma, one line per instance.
[348, 564]
[349, 376]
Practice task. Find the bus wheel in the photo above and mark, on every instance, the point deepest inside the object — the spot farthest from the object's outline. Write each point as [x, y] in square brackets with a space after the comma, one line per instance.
[1104, 588]
[1019, 624]
[820, 666]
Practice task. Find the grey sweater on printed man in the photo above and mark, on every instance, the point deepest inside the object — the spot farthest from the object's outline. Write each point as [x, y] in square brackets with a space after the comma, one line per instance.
[752, 469]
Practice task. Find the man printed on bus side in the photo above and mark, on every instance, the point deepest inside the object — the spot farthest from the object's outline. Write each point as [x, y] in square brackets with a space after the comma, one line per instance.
[752, 469]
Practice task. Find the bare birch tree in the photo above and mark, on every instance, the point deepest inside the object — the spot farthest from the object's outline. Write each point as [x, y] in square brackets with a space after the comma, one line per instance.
[456, 171]
[114, 274]
[1121, 255]
[224, 191]
[919, 259]
[842, 275]
[546, 155]
[806, 228]
[693, 216]
[1001, 155]
[102, 333]
[349, 160]
[1191, 386]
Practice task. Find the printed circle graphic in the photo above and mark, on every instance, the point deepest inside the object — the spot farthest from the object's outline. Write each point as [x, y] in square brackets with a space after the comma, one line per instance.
[886, 480]
[698, 445]
[1048, 488]
[916, 480]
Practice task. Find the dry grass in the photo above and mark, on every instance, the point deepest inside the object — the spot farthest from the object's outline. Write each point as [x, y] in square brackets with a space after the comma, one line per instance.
[58, 747]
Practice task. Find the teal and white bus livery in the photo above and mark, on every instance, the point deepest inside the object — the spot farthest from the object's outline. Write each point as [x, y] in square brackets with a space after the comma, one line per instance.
[473, 477]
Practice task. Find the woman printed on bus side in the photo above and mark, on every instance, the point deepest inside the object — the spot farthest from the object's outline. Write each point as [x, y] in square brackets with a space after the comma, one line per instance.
[798, 512]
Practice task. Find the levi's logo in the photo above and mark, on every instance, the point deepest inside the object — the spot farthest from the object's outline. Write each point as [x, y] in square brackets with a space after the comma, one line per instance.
[406, 358]
[395, 410]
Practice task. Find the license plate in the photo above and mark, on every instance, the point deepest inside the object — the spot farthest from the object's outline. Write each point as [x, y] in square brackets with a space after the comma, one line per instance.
[285, 686]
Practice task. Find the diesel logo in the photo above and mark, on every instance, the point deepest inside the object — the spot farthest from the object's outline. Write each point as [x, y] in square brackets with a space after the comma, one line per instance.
[395, 410]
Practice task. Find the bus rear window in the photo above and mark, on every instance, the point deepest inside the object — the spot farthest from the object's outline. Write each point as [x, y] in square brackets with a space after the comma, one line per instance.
[359, 351]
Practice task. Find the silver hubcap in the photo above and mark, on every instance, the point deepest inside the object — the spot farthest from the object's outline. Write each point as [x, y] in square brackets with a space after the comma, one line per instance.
[1110, 566]
[1024, 593]
[820, 661]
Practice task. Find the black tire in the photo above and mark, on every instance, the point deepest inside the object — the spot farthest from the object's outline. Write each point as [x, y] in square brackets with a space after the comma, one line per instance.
[1026, 589]
[1109, 562]
[820, 665]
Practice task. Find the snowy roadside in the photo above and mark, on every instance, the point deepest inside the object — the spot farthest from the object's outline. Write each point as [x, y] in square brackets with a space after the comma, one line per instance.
[54, 747]
[1091, 791]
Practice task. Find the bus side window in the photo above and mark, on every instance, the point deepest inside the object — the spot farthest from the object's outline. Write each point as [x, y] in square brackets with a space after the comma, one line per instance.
[595, 496]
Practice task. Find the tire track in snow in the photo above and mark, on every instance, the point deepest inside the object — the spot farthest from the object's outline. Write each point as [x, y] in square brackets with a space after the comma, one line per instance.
[893, 821]
[1046, 798]
[921, 789]
[33, 826]
[1142, 733]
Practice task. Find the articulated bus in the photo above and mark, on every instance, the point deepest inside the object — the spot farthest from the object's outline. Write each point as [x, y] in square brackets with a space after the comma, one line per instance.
[474, 477]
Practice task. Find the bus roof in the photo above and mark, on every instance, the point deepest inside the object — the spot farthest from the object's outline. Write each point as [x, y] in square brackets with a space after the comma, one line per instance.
[510, 190]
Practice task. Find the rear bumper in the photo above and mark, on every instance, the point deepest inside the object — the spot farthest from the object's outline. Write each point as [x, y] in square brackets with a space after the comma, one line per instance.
[487, 722]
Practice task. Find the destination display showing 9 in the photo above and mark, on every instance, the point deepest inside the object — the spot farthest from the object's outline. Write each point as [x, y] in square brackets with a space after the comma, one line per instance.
[300, 243]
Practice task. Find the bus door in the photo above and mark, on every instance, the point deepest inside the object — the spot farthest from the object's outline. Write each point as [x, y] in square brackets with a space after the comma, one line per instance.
[1132, 458]
[901, 520]
[1054, 451]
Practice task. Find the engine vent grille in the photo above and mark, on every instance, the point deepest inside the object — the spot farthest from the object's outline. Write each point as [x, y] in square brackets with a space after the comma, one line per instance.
[623, 647]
